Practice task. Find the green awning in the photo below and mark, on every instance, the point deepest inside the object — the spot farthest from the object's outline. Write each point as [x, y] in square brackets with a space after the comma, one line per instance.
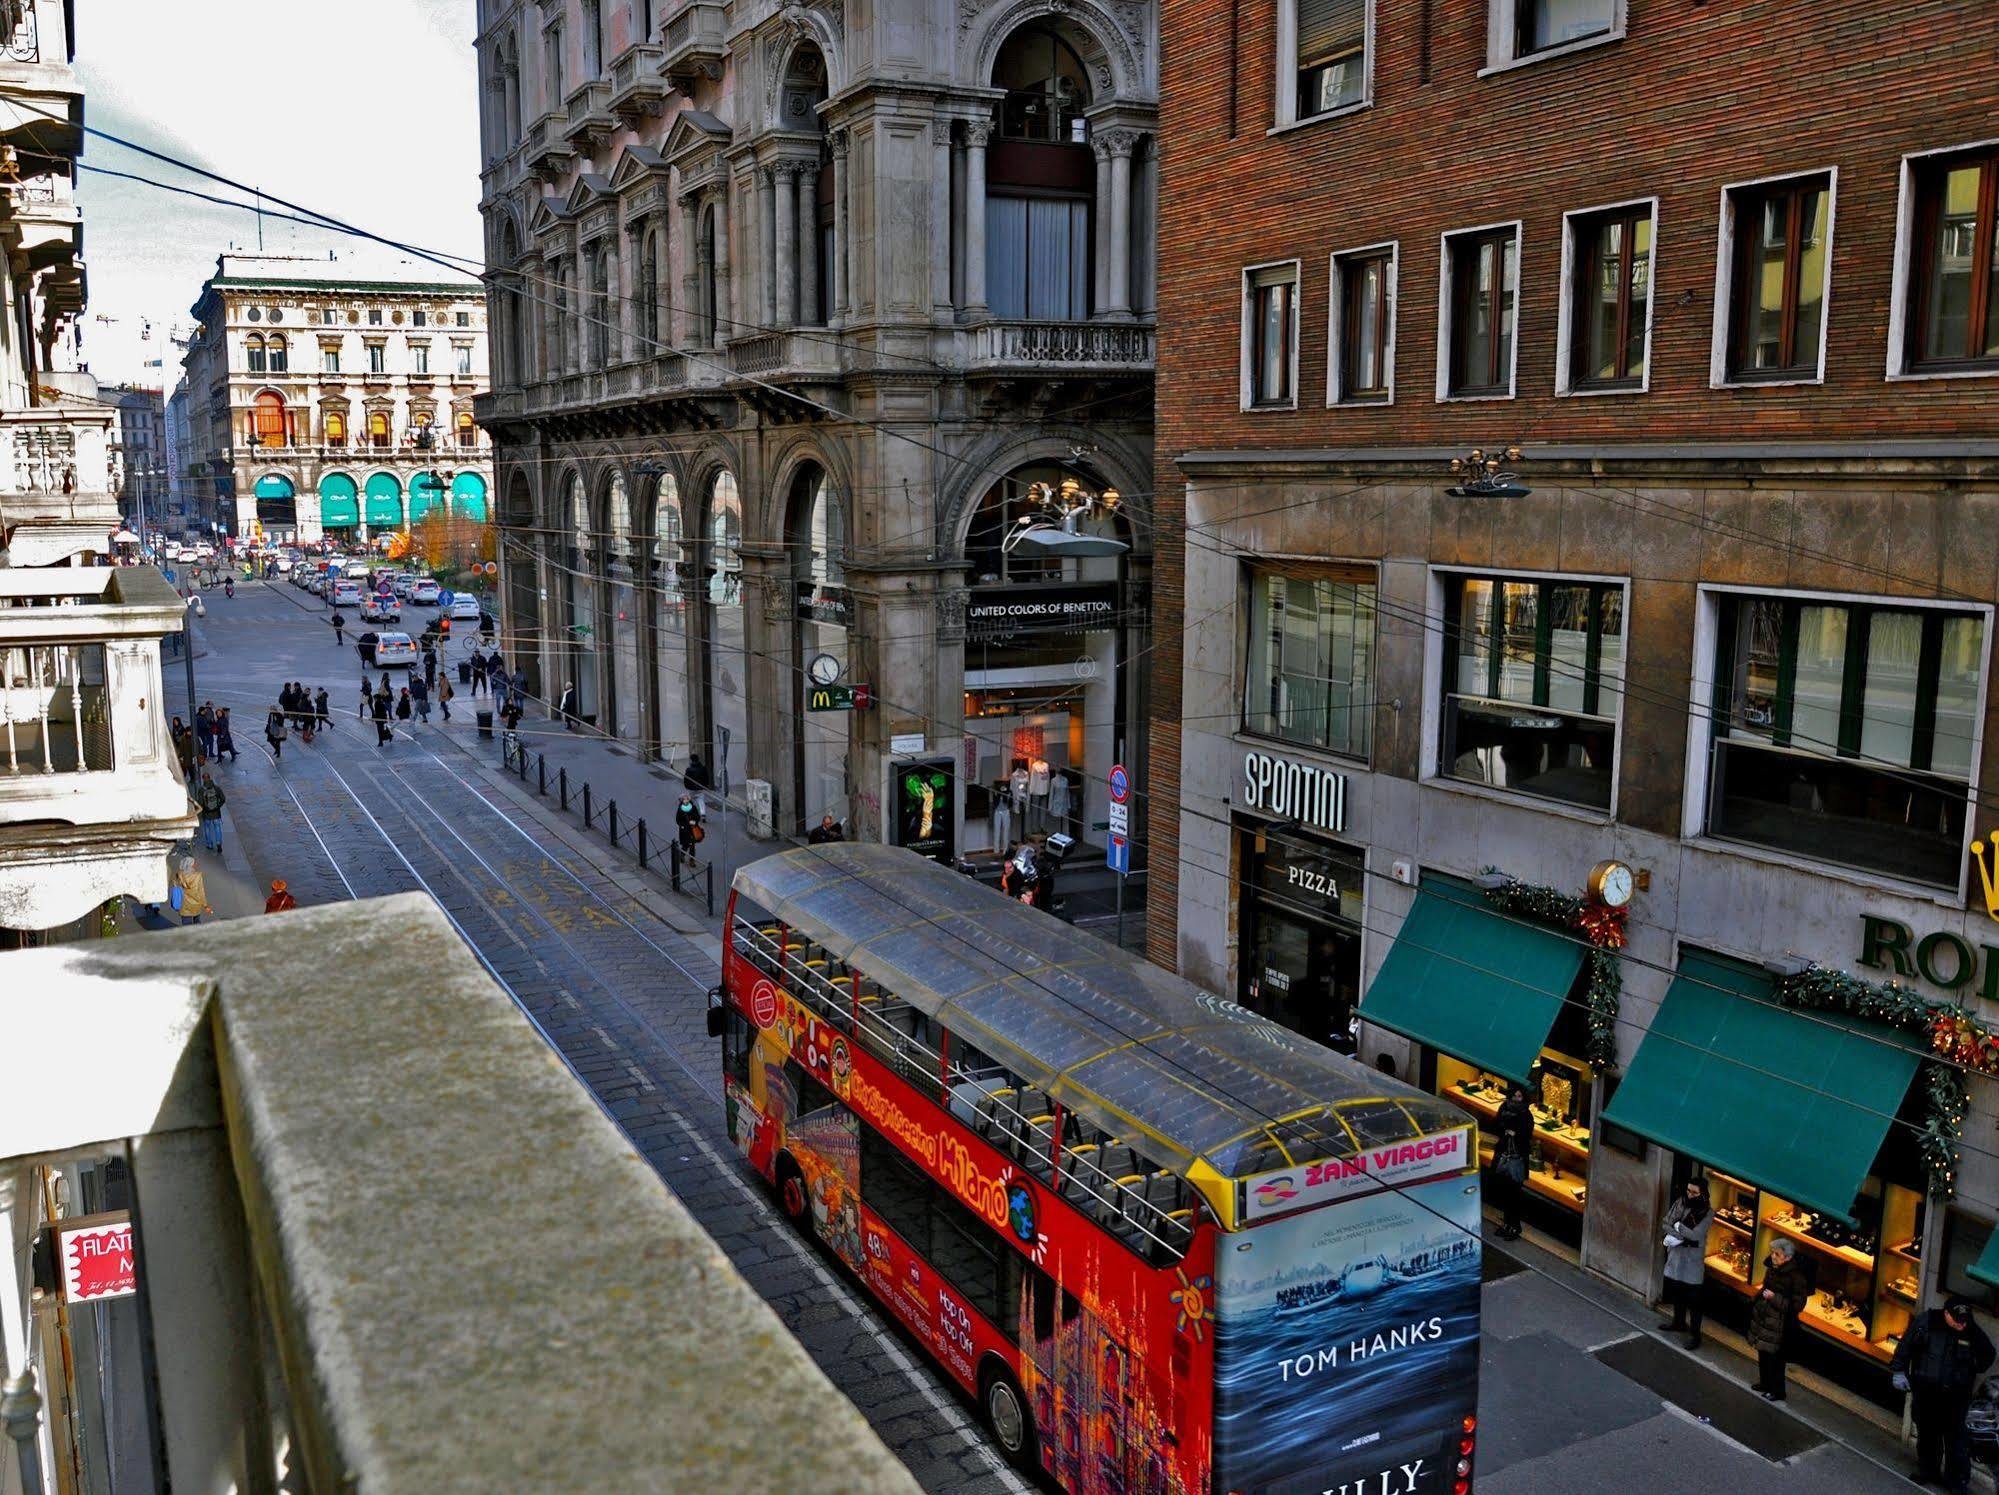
[1794, 1102]
[385, 501]
[1986, 1268]
[426, 492]
[1474, 983]
[339, 501]
[468, 496]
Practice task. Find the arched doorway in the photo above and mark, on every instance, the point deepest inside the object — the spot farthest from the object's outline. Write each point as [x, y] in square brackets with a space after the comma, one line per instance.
[724, 639]
[579, 562]
[383, 503]
[1046, 698]
[277, 506]
[339, 505]
[621, 649]
[426, 495]
[672, 607]
[468, 497]
[822, 613]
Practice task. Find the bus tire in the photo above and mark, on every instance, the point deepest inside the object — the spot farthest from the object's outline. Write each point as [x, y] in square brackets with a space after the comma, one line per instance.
[792, 1195]
[1004, 1409]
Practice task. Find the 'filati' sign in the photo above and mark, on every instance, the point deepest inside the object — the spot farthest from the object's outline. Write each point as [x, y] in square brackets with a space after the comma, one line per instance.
[1286, 790]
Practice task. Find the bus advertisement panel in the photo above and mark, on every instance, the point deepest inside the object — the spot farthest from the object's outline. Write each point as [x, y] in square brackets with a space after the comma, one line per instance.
[1346, 1345]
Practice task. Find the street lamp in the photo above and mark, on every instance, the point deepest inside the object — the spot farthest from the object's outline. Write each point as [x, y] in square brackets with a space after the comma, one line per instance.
[1484, 476]
[1055, 526]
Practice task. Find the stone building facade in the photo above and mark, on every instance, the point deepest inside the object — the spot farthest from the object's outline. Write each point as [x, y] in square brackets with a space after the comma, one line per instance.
[333, 399]
[1728, 623]
[793, 304]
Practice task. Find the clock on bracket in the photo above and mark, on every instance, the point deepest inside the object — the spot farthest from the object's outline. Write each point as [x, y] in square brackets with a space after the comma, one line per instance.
[1610, 883]
[824, 669]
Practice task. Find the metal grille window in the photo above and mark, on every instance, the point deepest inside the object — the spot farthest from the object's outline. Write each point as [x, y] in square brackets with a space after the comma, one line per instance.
[55, 714]
[1532, 673]
[1310, 672]
[1332, 55]
[1844, 731]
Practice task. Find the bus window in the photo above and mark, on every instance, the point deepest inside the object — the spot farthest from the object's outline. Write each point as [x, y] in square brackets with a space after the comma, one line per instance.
[1045, 1297]
[967, 1253]
[739, 1040]
[896, 1189]
[905, 1039]
[813, 1097]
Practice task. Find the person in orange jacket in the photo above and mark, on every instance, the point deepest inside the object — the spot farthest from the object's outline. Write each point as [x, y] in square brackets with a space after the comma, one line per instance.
[280, 899]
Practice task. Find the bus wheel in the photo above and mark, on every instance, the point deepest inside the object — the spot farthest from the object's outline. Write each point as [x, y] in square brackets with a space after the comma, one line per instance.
[1006, 1414]
[792, 1197]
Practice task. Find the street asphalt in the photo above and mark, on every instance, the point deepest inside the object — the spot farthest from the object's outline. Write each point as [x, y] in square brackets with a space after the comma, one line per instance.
[613, 967]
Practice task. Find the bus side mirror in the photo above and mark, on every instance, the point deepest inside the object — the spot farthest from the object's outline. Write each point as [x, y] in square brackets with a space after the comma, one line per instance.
[718, 1015]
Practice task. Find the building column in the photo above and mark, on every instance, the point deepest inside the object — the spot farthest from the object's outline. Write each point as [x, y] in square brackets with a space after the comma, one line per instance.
[686, 316]
[663, 329]
[726, 295]
[1100, 231]
[941, 151]
[766, 268]
[1118, 281]
[784, 309]
[976, 136]
[957, 218]
[808, 245]
[839, 146]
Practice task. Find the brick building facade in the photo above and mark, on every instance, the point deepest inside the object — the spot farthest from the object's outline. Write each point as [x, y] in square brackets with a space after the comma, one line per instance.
[1727, 277]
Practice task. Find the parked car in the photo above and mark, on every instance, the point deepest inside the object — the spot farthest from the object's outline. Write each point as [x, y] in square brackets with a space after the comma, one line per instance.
[394, 649]
[346, 593]
[401, 583]
[464, 607]
[381, 609]
[424, 590]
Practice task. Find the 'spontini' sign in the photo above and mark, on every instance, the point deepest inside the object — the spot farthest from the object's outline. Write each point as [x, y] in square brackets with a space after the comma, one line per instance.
[1288, 790]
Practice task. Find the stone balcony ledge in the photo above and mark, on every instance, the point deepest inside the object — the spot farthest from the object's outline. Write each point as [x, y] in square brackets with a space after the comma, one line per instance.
[475, 1282]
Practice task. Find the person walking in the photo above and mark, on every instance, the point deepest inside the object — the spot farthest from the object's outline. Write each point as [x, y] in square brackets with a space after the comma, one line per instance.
[204, 730]
[321, 709]
[1778, 1304]
[697, 776]
[339, 621]
[420, 698]
[444, 695]
[429, 662]
[1939, 1361]
[478, 663]
[183, 741]
[1512, 1145]
[381, 709]
[566, 707]
[828, 829]
[496, 679]
[687, 819]
[274, 731]
[188, 892]
[404, 708]
[280, 899]
[367, 698]
[209, 797]
[1686, 1260]
[225, 737]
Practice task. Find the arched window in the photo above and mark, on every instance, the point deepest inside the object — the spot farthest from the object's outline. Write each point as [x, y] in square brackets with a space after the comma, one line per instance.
[648, 308]
[336, 428]
[1047, 87]
[510, 79]
[270, 418]
[579, 516]
[378, 428]
[725, 541]
[468, 432]
[1003, 505]
[513, 369]
[253, 353]
[280, 355]
[618, 540]
[667, 532]
[600, 307]
[819, 534]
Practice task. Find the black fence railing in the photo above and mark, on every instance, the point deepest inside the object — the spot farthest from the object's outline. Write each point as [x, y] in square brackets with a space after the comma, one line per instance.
[529, 766]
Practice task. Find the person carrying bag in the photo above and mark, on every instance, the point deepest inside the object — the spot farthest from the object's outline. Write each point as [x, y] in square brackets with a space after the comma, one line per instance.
[1686, 1260]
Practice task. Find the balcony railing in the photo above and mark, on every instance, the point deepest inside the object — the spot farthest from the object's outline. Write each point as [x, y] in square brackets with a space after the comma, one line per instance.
[24, 43]
[1082, 346]
[775, 353]
[694, 43]
[54, 710]
[416, 1287]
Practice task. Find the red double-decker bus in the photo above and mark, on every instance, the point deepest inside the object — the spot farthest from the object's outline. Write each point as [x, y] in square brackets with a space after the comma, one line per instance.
[1166, 1244]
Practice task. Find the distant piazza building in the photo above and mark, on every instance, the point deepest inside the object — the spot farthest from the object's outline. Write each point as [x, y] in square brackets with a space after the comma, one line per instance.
[333, 399]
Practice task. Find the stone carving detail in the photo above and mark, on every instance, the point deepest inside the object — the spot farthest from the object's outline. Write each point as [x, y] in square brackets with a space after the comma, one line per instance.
[837, 142]
[978, 132]
[1107, 143]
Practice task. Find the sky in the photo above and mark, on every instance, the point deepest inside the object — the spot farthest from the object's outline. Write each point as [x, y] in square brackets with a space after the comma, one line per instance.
[366, 111]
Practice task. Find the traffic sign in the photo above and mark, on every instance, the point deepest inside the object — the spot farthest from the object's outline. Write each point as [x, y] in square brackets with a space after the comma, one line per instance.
[1120, 784]
[1120, 822]
[1117, 856]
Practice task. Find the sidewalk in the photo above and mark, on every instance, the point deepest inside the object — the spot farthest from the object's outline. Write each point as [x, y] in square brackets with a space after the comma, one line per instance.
[234, 889]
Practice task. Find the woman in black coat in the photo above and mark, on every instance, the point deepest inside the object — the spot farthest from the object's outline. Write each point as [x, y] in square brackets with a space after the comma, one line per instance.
[274, 732]
[1512, 1145]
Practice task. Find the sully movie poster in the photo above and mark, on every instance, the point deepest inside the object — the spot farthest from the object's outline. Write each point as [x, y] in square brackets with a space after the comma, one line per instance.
[1346, 1345]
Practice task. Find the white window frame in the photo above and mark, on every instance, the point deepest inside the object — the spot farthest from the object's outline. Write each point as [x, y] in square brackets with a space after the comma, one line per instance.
[1444, 327]
[1565, 330]
[1724, 274]
[1335, 330]
[1247, 376]
[1502, 27]
[1287, 115]
[1429, 764]
[1904, 271]
[1700, 734]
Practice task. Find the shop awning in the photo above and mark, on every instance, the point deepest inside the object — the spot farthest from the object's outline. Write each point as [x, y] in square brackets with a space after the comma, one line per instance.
[339, 501]
[1986, 1268]
[1794, 1102]
[385, 501]
[1474, 983]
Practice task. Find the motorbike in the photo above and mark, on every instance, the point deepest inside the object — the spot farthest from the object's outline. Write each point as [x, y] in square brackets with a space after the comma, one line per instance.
[229, 588]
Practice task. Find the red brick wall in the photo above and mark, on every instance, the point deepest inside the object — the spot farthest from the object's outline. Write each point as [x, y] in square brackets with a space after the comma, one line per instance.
[1695, 96]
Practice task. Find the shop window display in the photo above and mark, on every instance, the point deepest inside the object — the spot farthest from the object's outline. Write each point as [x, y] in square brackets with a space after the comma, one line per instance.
[1559, 1097]
[1866, 1277]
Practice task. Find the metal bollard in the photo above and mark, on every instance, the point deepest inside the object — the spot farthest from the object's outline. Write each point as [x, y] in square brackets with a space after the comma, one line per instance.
[614, 822]
[673, 866]
[562, 784]
[710, 870]
[642, 842]
[541, 776]
[586, 807]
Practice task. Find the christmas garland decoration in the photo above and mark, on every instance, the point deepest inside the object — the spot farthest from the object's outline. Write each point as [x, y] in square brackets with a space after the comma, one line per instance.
[1958, 1040]
[1598, 923]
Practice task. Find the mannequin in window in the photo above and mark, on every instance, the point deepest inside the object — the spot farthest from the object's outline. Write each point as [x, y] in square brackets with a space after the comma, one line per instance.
[1017, 787]
[1058, 801]
[1002, 817]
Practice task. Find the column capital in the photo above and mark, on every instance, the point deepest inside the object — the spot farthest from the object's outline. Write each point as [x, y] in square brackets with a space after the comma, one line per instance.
[836, 142]
[1109, 143]
[978, 132]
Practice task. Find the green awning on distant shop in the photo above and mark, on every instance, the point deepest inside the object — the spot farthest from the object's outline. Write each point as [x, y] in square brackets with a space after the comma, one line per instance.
[1794, 1102]
[1479, 985]
[1986, 1268]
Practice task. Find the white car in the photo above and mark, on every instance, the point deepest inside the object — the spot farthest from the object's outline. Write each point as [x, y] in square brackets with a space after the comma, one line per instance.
[394, 649]
[347, 594]
[425, 590]
[401, 583]
[381, 609]
[464, 605]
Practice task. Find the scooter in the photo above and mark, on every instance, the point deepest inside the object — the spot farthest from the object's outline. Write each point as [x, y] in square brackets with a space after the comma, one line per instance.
[229, 588]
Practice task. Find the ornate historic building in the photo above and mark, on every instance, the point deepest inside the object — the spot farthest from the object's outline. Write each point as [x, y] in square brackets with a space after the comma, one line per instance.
[792, 305]
[333, 398]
